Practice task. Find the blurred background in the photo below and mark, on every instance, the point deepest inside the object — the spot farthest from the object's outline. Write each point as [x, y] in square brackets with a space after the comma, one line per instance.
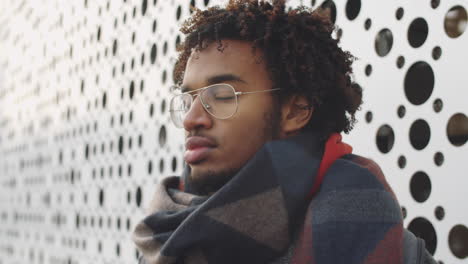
[85, 131]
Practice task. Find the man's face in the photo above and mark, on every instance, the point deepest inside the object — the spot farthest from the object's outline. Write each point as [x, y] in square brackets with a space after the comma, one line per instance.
[217, 148]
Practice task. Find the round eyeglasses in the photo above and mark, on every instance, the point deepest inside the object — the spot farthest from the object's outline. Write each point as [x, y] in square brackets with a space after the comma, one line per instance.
[219, 100]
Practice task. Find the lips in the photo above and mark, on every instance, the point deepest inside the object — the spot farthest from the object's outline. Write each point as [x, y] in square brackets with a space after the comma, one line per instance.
[197, 149]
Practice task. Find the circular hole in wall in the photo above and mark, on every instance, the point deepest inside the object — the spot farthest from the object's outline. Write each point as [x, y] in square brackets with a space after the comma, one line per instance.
[458, 241]
[369, 116]
[439, 213]
[457, 129]
[436, 52]
[400, 62]
[420, 134]
[162, 136]
[383, 42]
[329, 8]
[144, 6]
[385, 138]
[401, 111]
[352, 9]
[421, 227]
[401, 162]
[367, 24]
[455, 21]
[417, 32]
[437, 105]
[439, 158]
[419, 83]
[420, 186]
[399, 13]
[153, 53]
[435, 3]
[368, 70]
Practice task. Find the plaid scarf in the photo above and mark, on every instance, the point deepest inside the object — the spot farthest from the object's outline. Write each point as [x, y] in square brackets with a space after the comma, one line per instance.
[272, 211]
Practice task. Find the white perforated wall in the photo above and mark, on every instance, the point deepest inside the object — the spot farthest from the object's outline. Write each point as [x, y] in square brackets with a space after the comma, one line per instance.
[85, 131]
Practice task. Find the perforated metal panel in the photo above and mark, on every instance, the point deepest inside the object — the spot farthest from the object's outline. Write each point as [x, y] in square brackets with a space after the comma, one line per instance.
[85, 132]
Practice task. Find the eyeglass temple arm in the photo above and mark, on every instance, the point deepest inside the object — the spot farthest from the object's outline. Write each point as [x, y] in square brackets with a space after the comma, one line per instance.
[262, 91]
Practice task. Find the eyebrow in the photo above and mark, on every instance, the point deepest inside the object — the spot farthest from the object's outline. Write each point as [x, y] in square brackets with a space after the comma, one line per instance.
[227, 77]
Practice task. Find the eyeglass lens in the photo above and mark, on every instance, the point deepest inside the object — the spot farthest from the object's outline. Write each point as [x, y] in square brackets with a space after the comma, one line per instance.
[219, 100]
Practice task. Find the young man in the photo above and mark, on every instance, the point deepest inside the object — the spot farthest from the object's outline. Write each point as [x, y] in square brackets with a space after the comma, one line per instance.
[263, 96]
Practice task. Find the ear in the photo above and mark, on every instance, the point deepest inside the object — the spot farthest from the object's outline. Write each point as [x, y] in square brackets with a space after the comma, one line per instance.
[295, 114]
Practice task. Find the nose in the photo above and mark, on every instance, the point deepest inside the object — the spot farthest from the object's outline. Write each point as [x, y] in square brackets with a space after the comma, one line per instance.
[197, 118]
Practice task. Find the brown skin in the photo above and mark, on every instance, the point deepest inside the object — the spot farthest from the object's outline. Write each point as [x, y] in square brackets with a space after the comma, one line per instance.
[238, 138]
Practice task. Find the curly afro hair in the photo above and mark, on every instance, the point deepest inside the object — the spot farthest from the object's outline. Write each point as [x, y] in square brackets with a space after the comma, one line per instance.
[299, 53]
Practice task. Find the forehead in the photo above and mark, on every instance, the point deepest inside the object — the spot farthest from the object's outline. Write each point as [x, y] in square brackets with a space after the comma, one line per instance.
[236, 59]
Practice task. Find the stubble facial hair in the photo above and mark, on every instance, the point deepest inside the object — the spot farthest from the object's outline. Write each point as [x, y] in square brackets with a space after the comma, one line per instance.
[212, 181]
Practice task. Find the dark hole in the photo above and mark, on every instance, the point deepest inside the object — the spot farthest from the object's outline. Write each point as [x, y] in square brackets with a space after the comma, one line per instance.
[138, 196]
[101, 197]
[140, 140]
[383, 42]
[385, 138]
[455, 21]
[367, 24]
[174, 164]
[132, 89]
[419, 82]
[329, 9]
[155, 2]
[435, 3]
[419, 134]
[104, 100]
[400, 62]
[458, 241]
[457, 129]
[178, 12]
[154, 53]
[404, 213]
[155, 24]
[206, 2]
[439, 213]
[161, 165]
[163, 106]
[401, 111]
[369, 116]
[313, 2]
[437, 105]
[117, 249]
[422, 228]
[82, 86]
[144, 5]
[120, 144]
[162, 136]
[420, 186]
[436, 53]
[165, 48]
[417, 32]
[192, 4]
[399, 13]
[402, 162]
[151, 110]
[150, 167]
[114, 47]
[352, 9]
[439, 158]
[368, 70]
[164, 76]
[99, 33]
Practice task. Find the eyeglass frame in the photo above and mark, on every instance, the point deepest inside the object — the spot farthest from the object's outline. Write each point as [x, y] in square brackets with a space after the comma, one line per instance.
[205, 106]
